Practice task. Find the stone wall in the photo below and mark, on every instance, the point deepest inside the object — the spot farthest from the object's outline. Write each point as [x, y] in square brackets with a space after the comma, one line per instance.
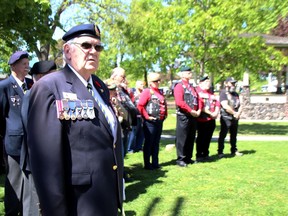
[274, 107]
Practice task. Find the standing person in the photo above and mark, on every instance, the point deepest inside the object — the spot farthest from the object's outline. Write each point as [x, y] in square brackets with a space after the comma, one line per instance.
[30, 197]
[230, 114]
[119, 77]
[206, 122]
[73, 134]
[153, 108]
[136, 137]
[12, 91]
[188, 108]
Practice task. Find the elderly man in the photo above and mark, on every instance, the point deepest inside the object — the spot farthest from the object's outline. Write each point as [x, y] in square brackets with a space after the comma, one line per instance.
[12, 91]
[73, 134]
[188, 109]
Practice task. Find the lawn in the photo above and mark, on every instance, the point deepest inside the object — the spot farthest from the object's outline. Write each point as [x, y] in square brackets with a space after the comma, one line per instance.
[254, 184]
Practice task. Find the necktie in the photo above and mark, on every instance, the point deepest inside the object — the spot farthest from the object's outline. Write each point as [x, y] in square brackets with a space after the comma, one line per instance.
[90, 89]
[24, 88]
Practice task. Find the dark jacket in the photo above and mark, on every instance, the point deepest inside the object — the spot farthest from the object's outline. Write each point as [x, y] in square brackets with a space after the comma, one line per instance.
[77, 168]
[11, 129]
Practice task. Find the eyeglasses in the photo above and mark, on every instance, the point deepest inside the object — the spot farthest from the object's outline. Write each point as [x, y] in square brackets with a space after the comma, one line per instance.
[86, 46]
[157, 80]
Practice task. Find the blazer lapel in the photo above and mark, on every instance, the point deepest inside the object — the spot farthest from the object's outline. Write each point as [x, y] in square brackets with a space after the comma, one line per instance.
[77, 87]
[16, 87]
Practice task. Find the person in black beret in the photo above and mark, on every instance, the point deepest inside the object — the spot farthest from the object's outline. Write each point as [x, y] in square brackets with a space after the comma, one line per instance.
[29, 197]
[188, 108]
[76, 154]
[230, 112]
[12, 91]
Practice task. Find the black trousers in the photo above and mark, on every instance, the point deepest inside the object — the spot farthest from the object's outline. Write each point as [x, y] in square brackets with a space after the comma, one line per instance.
[185, 136]
[205, 133]
[231, 126]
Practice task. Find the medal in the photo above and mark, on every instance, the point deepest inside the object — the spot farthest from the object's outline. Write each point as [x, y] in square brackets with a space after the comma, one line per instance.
[91, 112]
[78, 110]
[84, 109]
[72, 108]
[59, 107]
[66, 109]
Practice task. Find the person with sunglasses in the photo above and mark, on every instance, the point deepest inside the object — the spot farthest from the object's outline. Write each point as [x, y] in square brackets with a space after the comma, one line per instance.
[74, 136]
[188, 108]
[230, 113]
[153, 108]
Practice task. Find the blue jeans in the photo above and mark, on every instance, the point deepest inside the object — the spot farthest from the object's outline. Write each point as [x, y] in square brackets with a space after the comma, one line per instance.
[152, 133]
[136, 137]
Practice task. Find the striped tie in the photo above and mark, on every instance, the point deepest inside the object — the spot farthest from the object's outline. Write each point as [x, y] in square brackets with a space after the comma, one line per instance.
[90, 89]
[24, 88]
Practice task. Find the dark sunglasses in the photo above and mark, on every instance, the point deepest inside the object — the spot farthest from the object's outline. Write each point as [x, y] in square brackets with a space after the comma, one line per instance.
[157, 80]
[86, 46]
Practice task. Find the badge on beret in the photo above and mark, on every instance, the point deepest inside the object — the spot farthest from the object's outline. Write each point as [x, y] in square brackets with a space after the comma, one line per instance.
[97, 32]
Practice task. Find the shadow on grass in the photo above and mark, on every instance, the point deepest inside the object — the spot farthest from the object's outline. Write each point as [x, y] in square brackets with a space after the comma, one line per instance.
[142, 179]
[263, 129]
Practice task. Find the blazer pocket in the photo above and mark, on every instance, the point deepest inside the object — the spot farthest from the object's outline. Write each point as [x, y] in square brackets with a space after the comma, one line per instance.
[15, 132]
[81, 179]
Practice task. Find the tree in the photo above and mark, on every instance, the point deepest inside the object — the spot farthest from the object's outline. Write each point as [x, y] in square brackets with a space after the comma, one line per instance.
[206, 34]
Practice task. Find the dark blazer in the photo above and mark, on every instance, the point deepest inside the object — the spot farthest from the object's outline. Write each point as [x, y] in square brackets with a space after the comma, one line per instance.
[11, 129]
[77, 168]
[24, 157]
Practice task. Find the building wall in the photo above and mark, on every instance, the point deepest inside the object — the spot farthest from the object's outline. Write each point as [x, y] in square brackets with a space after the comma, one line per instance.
[274, 107]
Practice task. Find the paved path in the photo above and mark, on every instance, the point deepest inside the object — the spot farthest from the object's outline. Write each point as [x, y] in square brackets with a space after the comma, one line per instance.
[243, 138]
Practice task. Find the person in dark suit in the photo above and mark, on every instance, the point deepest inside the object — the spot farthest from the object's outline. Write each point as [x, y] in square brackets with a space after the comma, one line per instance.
[30, 199]
[12, 91]
[74, 137]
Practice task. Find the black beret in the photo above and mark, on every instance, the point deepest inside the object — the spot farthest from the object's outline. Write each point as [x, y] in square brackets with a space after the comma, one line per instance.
[205, 77]
[42, 67]
[185, 69]
[17, 56]
[230, 79]
[91, 30]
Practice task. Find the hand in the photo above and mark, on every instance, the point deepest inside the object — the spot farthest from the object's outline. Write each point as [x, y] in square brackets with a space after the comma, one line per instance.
[151, 118]
[236, 115]
[194, 113]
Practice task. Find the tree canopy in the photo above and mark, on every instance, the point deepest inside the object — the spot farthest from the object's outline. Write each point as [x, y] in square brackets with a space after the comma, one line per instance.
[212, 36]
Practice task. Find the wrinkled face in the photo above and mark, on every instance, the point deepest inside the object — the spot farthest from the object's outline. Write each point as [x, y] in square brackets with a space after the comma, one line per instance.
[155, 83]
[21, 67]
[206, 84]
[140, 85]
[120, 78]
[83, 54]
[231, 86]
[187, 75]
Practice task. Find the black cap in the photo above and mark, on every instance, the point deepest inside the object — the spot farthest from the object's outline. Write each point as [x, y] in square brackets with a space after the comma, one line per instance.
[183, 69]
[231, 80]
[205, 77]
[42, 67]
[91, 30]
[17, 56]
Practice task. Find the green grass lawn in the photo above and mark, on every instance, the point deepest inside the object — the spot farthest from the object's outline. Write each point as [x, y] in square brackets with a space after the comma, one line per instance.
[254, 184]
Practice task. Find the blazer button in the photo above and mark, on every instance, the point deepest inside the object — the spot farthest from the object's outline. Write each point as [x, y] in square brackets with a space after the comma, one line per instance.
[114, 167]
[114, 146]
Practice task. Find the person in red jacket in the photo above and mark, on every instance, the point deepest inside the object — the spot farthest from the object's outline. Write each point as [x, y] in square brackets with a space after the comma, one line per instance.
[153, 108]
[206, 120]
[188, 108]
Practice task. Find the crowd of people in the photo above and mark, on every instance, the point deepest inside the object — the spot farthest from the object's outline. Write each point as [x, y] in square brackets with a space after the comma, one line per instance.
[65, 138]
